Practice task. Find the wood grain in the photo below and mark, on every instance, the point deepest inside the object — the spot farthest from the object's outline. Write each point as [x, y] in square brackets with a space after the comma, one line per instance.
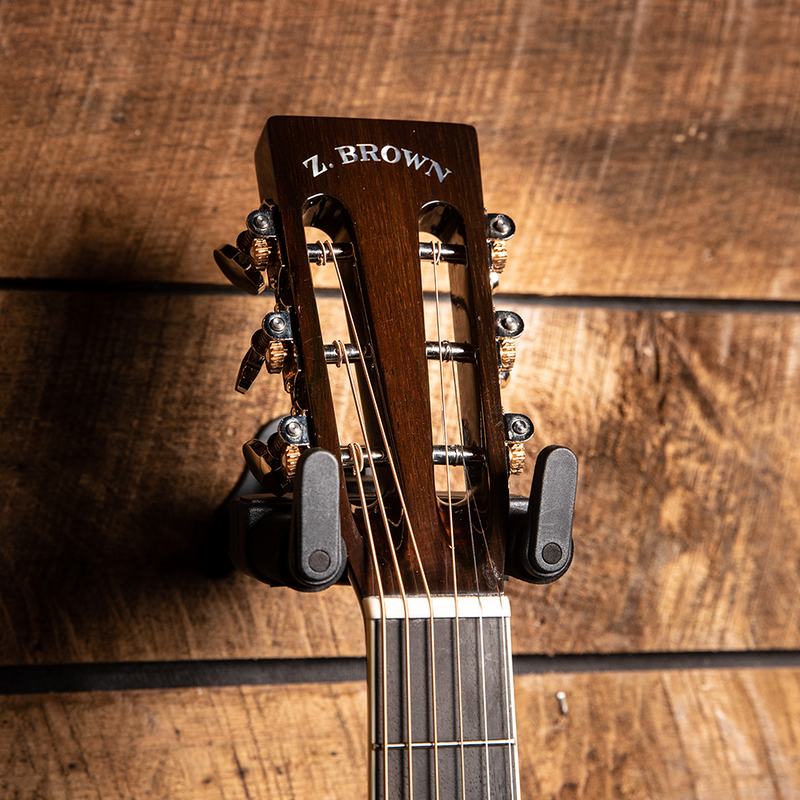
[699, 735]
[643, 149]
[687, 734]
[685, 520]
[121, 434]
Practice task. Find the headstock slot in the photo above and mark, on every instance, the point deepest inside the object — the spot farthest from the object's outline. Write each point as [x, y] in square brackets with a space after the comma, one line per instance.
[455, 417]
[362, 419]
[326, 220]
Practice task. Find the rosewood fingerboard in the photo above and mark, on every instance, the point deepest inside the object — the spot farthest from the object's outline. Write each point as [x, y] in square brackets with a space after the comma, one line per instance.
[474, 746]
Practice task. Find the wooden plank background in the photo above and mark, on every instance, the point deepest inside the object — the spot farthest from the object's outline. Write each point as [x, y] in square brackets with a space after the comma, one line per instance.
[633, 735]
[650, 156]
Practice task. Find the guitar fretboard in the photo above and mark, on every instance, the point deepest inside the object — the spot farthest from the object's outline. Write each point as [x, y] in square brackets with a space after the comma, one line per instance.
[457, 674]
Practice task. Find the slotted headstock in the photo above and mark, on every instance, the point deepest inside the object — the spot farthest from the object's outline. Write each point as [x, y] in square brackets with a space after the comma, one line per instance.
[428, 510]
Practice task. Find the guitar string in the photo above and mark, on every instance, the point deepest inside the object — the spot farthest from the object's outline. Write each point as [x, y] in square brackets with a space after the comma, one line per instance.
[358, 464]
[471, 528]
[412, 537]
[436, 249]
[387, 528]
[437, 259]
[357, 458]
[506, 676]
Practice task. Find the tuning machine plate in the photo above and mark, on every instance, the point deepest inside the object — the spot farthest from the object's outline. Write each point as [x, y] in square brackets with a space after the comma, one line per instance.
[283, 449]
[278, 327]
[499, 228]
[508, 325]
[519, 429]
[257, 252]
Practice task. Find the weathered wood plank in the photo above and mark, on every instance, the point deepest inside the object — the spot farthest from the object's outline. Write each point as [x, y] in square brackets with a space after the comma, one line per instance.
[121, 433]
[687, 515]
[643, 149]
[695, 734]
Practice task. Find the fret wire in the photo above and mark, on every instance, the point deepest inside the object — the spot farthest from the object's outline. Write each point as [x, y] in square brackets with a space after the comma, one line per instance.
[457, 743]
[502, 739]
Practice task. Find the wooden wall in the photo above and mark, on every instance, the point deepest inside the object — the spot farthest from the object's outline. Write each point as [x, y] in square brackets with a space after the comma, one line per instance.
[650, 156]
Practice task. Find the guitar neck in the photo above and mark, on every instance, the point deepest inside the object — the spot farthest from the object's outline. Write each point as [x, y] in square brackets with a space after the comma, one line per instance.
[440, 677]
[408, 490]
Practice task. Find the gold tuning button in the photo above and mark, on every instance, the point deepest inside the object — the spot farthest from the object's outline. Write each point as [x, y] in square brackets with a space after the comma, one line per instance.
[276, 356]
[289, 459]
[270, 345]
[507, 354]
[516, 458]
[498, 251]
[277, 327]
[281, 452]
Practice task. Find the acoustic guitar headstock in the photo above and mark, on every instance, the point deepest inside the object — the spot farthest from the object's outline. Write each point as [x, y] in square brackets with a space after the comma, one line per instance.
[384, 222]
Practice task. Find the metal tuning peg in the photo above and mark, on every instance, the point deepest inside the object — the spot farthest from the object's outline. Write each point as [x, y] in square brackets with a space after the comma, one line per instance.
[540, 544]
[274, 463]
[277, 327]
[293, 542]
[519, 429]
[257, 251]
[260, 459]
[499, 229]
[270, 346]
[236, 267]
[252, 362]
[507, 326]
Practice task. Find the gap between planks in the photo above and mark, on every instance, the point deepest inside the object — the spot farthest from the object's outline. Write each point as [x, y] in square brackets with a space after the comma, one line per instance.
[44, 678]
[686, 305]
